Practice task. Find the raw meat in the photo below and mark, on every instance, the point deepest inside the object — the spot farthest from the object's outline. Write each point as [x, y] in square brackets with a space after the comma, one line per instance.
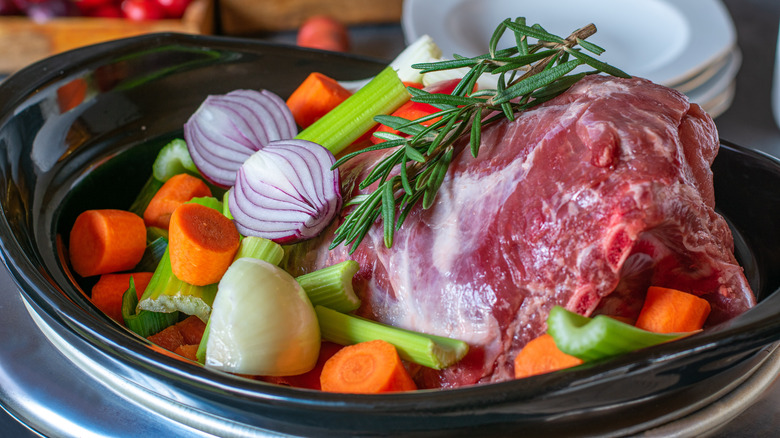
[583, 201]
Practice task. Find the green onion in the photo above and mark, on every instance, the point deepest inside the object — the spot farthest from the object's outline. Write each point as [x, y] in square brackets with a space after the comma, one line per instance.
[152, 255]
[355, 116]
[427, 350]
[144, 323]
[599, 337]
[332, 286]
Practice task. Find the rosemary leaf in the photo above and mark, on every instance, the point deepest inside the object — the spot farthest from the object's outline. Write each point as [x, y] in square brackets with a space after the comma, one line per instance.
[388, 211]
[595, 63]
[476, 132]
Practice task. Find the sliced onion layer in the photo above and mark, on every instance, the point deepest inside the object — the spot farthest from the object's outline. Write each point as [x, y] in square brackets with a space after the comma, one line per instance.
[226, 129]
[286, 192]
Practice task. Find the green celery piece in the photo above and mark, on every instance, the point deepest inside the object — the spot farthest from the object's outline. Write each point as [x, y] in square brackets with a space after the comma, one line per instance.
[260, 248]
[208, 201]
[225, 206]
[166, 293]
[144, 323]
[174, 158]
[427, 350]
[152, 255]
[599, 337]
[200, 355]
[355, 116]
[332, 286]
[145, 195]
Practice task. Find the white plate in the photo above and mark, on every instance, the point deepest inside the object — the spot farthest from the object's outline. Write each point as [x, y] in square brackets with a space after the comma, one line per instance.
[665, 41]
[713, 88]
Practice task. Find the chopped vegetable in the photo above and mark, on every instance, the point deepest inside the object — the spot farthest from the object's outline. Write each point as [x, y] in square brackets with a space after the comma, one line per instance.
[315, 97]
[672, 311]
[370, 367]
[599, 337]
[173, 159]
[188, 351]
[108, 291]
[540, 356]
[259, 248]
[427, 350]
[226, 129]
[270, 330]
[166, 293]
[355, 116]
[170, 338]
[144, 323]
[286, 192]
[332, 286]
[174, 192]
[202, 244]
[106, 241]
[185, 332]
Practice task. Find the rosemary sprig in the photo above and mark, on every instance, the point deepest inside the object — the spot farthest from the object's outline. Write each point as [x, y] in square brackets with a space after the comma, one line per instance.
[527, 74]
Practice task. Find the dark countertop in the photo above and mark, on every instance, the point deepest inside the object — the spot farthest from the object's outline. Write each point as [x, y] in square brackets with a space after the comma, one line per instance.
[748, 122]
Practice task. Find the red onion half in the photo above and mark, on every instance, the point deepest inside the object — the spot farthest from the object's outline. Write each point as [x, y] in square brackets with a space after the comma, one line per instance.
[226, 129]
[286, 191]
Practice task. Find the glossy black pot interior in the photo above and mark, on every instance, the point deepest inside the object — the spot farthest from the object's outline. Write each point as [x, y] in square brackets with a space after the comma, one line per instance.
[80, 130]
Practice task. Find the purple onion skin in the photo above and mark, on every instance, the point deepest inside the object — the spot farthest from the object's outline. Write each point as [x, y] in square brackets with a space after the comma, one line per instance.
[226, 129]
[269, 199]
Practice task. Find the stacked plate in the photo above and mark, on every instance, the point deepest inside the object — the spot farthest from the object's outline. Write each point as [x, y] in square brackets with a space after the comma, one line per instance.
[688, 45]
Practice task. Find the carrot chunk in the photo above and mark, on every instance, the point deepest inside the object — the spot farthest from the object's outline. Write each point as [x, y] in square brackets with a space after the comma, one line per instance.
[672, 311]
[176, 191]
[540, 356]
[106, 241]
[191, 329]
[202, 243]
[108, 291]
[370, 367]
[169, 338]
[188, 351]
[315, 97]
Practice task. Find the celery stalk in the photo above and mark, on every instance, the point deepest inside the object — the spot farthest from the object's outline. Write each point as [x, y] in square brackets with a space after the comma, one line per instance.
[332, 286]
[144, 323]
[599, 337]
[174, 158]
[260, 248]
[166, 293]
[355, 116]
[427, 350]
[208, 201]
[154, 233]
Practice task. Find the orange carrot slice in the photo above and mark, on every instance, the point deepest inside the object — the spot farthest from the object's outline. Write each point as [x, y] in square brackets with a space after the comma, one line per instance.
[169, 338]
[106, 241]
[191, 329]
[315, 97]
[672, 311]
[540, 356]
[176, 191]
[108, 291]
[202, 243]
[370, 367]
[188, 351]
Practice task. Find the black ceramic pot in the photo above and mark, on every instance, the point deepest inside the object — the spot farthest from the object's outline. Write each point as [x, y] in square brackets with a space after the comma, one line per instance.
[80, 130]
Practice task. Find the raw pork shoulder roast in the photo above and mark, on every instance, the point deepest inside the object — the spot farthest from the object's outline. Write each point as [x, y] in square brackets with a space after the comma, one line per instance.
[584, 201]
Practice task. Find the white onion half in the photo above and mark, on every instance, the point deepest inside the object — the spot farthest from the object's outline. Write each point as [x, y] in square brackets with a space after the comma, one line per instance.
[262, 323]
[226, 129]
[286, 192]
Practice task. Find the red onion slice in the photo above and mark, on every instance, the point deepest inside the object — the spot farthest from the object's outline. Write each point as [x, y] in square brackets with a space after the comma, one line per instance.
[286, 191]
[226, 129]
